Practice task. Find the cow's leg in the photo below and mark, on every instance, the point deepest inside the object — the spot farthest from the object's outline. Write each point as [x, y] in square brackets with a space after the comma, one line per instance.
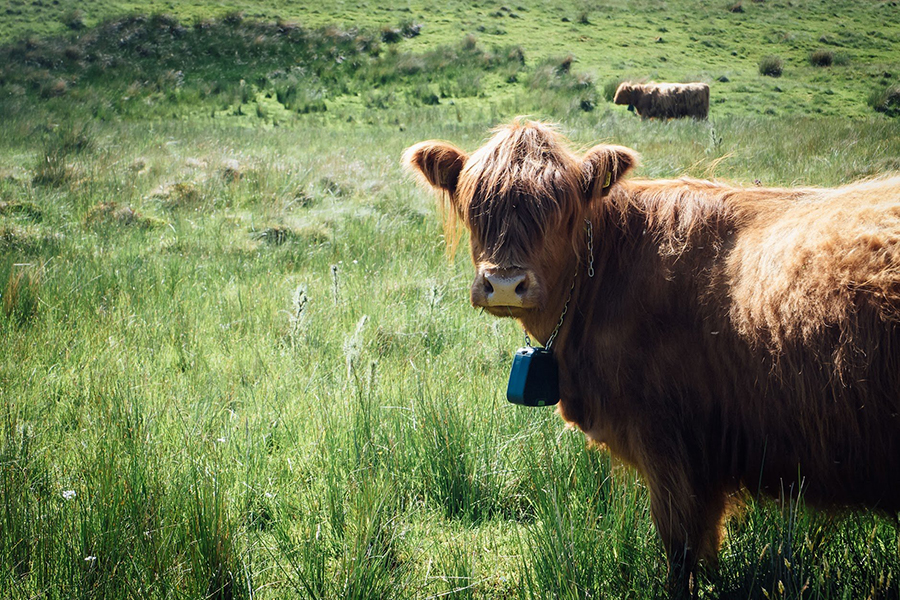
[688, 518]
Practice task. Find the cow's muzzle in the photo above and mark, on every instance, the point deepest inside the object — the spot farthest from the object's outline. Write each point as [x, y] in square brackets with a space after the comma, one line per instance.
[503, 288]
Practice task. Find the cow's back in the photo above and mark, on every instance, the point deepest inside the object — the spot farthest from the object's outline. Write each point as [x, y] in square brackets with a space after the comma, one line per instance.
[816, 261]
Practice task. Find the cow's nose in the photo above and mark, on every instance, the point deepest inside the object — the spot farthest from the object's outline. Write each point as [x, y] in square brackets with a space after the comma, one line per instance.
[504, 289]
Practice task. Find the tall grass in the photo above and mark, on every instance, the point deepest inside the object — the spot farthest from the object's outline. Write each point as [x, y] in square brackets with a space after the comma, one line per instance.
[205, 408]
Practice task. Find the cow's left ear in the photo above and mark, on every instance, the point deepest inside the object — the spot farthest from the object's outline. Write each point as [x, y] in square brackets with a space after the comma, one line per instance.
[439, 164]
[603, 166]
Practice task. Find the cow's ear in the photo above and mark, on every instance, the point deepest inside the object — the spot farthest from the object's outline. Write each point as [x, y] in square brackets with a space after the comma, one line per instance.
[438, 163]
[604, 166]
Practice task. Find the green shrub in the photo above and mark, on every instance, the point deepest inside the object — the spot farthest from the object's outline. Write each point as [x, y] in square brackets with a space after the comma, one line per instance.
[74, 20]
[54, 167]
[391, 35]
[886, 100]
[468, 84]
[821, 58]
[610, 87]
[556, 87]
[841, 59]
[771, 66]
[233, 18]
[423, 94]
[410, 29]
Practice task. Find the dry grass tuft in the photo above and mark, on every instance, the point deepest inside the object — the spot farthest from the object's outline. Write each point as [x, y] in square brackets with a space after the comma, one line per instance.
[54, 170]
[110, 213]
[231, 171]
[21, 298]
[196, 163]
[139, 166]
[182, 194]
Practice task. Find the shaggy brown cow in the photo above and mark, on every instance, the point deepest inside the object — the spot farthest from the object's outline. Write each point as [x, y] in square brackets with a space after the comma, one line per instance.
[729, 338]
[665, 100]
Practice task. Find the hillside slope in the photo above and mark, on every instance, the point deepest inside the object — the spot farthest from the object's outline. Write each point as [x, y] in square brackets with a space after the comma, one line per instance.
[678, 40]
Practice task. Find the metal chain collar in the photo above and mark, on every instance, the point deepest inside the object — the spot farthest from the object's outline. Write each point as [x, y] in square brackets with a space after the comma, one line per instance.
[590, 236]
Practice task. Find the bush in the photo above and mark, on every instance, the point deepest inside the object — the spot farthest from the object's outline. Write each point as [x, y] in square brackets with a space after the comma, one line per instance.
[53, 168]
[886, 100]
[577, 91]
[841, 59]
[821, 58]
[515, 55]
[564, 65]
[423, 94]
[391, 35]
[233, 18]
[410, 29]
[771, 66]
[74, 20]
[610, 87]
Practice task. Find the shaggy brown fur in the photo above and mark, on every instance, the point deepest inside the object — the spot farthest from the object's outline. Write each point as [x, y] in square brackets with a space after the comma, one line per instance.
[665, 100]
[731, 338]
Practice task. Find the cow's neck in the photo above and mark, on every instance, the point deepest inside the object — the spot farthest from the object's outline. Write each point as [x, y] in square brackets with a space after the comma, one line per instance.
[569, 282]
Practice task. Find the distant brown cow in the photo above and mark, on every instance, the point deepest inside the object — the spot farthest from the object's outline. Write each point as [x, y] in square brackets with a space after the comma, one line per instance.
[729, 338]
[665, 100]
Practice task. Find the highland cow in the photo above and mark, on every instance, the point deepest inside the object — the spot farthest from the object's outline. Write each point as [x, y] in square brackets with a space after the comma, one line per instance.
[665, 100]
[717, 338]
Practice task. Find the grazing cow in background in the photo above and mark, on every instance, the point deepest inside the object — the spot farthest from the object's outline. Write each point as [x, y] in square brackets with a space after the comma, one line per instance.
[728, 339]
[665, 100]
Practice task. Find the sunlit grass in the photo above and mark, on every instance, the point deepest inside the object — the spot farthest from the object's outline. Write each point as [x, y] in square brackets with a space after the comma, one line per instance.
[180, 421]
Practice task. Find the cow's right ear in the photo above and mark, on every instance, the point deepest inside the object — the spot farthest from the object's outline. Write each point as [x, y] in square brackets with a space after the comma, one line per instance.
[603, 166]
[438, 163]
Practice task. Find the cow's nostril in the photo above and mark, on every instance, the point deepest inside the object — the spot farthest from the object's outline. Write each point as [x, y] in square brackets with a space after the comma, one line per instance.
[488, 288]
[520, 289]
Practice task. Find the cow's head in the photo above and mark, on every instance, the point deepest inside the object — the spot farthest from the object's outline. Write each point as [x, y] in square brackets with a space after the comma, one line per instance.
[624, 94]
[523, 196]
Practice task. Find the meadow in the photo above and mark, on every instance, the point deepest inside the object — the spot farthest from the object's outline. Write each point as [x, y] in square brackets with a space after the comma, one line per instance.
[237, 360]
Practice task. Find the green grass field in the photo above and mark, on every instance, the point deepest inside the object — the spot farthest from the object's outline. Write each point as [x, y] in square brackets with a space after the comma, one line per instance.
[236, 361]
